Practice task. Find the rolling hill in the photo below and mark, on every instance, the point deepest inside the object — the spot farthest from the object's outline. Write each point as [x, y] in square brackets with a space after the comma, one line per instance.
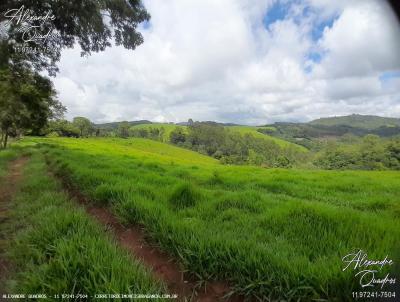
[298, 135]
[114, 125]
[334, 127]
[253, 131]
[168, 128]
[358, 121]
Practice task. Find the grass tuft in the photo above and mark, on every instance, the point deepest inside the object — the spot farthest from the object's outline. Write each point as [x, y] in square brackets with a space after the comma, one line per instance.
[184, 195]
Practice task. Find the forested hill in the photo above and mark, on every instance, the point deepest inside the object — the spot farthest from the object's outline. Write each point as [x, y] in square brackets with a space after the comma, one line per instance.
[364, 122]
[114, 125]
[358, 121]
[306, 134]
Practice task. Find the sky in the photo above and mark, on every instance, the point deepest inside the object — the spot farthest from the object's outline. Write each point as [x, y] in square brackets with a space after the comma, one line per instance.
[246, 62]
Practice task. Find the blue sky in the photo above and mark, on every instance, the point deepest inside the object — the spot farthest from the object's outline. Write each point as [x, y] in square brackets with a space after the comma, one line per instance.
[389, 75]
[277, 12]
[281, 10]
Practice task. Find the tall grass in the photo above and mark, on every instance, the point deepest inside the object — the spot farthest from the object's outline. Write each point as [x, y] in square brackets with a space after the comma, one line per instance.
[275, 234]
[57, 249]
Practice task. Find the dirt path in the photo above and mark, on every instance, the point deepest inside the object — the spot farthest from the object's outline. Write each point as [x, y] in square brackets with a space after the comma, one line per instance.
[8, 187]
[132, 238]
[163, 266]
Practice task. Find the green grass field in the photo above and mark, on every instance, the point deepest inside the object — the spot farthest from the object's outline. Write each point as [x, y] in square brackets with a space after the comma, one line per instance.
[273, 233]
[57, 249]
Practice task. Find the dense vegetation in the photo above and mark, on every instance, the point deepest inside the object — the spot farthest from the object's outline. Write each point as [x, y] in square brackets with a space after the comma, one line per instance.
[57, 249]
[27, 101]
[232, 147]
[310, 134]
[231, 222]
[367, 153]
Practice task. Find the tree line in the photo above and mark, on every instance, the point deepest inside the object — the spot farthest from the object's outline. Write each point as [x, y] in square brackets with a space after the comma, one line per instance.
[82, 127]
[370, 152]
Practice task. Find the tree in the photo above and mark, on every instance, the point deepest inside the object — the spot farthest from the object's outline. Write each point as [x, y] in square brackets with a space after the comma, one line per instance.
[83, 124]
[27, 99]
[27, 102]
[161, 134]
[208, 134]
[177, 136]
[282, 162]
[62, 128]
[123, 129]
[393, 154]
[90, 23]
[372, 152]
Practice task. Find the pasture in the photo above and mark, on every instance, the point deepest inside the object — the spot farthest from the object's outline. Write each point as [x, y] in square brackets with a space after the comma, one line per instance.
[56, 249]
[272, 233]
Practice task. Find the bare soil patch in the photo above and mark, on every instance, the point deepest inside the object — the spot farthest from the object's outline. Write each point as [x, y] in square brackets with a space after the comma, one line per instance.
[134, 239]
[8, 188]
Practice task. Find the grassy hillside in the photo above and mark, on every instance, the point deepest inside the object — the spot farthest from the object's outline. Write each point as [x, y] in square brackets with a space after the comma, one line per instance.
[139, 148]
[358, 121]
[273, 233]
[241, 129]
[253, 131]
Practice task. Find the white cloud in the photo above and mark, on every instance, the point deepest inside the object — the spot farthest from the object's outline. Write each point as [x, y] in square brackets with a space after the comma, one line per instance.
[363, 41]
[347, 88]
[215, 60]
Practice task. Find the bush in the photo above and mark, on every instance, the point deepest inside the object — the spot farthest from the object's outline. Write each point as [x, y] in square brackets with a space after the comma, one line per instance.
[177, 136]
[283, 162]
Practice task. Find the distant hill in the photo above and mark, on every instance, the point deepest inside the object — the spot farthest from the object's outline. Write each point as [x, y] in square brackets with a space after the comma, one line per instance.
[114, 125]
[333, 127]
[210, 122]
[369, 122]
